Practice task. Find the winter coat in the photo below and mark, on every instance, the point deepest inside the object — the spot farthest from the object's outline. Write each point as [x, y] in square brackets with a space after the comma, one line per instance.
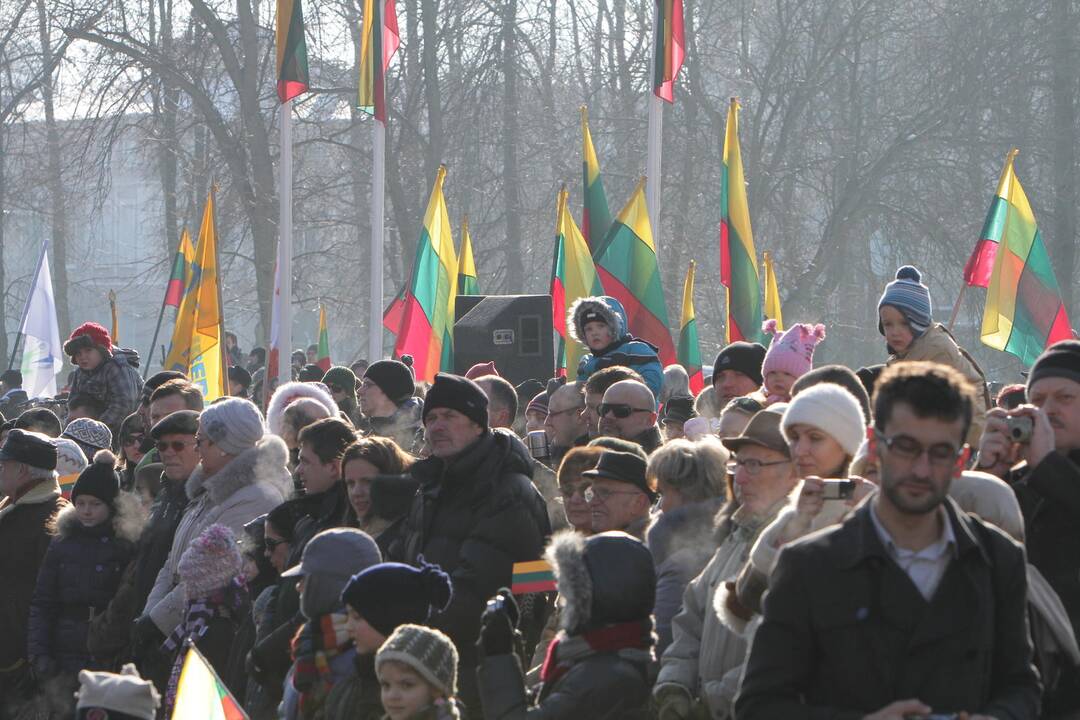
[626, 350]
[321, 511]
[78, 578]
[405, 426]
[27, 526]
[251, 484]
[846, 632]
[937, 345]
[260, 704]
[356, 697]
[705, 657]
[115, 383]
[341, 666]
[475, 515]
[1049, 496]
[681, 543]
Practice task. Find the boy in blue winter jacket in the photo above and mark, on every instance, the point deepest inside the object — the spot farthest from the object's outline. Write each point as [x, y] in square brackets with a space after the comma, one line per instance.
[599, 323]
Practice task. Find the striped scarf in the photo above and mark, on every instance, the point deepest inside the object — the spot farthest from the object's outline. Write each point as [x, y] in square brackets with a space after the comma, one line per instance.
[316, 643]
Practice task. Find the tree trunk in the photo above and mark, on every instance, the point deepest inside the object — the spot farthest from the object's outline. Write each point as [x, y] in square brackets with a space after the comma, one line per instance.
[1063, 90]
[3, 284]
[58, 224]
[432, 90]
[515, 269]
[168, 140]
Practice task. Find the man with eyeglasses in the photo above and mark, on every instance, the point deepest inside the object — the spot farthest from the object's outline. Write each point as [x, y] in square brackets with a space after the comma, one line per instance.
[911, 607]
[700, 669]
[619, 496]
[628, 411]
[565, 427]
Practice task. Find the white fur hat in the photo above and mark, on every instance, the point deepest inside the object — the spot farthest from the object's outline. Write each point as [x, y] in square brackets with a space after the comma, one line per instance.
[831, 409]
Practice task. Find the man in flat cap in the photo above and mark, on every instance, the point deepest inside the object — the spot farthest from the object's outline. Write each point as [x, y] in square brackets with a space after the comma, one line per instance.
[30, 500]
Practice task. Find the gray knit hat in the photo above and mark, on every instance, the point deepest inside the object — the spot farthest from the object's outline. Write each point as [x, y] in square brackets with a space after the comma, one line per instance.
[88, 431]
[234, 425]
[427, 651]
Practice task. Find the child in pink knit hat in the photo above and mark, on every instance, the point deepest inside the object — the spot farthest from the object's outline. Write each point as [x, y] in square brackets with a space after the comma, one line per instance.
[790, 356]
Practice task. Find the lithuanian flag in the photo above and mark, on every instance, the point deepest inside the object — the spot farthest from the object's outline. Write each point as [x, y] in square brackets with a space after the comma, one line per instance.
[197, 342]
[200, 694]
[689, 353]
[379, 41]
[1024, 313]
[573, 276]
[630, 273]
[595, 215]
[772, 294]
[980, 265]
[391, 317]
[323, 358]
[291, 46]
[669, 47]
[738, 260]
[427, 323]
[532, 577]
[180, 276]
[466, 274]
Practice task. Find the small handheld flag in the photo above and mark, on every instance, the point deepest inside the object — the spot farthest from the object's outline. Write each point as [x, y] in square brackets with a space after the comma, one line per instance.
[532, 577]
[200, 693]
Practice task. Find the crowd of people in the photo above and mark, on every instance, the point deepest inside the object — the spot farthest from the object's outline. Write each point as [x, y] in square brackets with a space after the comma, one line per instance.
[887, 542]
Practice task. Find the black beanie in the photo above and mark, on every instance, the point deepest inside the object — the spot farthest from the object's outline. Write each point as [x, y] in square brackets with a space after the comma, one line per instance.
[743, 357]
[99, 479]
[457, 393]
[391, 594]
[394, 378]
[1062, 359]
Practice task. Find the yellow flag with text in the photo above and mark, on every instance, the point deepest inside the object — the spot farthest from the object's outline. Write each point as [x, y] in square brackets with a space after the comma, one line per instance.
[197, 341]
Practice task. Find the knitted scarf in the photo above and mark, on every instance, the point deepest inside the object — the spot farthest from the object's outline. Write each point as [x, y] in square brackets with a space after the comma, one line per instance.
[316, 643]
[632, 641]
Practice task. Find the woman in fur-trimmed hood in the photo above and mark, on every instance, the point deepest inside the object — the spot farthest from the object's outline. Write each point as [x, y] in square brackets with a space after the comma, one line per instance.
[600, 324]
[95, 541]
[601, 663]
[241, 475]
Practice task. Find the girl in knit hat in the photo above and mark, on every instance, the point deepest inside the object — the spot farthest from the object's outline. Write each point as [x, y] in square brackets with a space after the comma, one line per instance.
[106, 373]
[417, 670]
[905, 318]
[790, 356]
[211, 572]
[82, 569]
[378, 600]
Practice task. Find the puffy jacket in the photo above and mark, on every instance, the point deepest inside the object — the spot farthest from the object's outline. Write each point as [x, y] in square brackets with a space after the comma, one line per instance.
[27, 527]
[475, 515]
[405, 426]
[78, 578]
[252, 484]
[115, 384]
[627, 350]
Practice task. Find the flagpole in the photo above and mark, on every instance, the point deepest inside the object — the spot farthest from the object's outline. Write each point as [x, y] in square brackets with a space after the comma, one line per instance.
[285, 247]
[26, 305]
[655, 148]
[378, 191]
[956, 307]
[157, 329]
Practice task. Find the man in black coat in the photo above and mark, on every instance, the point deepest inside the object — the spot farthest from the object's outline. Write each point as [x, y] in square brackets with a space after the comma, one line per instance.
[910, 607]
[1047, 484]
[475, 515]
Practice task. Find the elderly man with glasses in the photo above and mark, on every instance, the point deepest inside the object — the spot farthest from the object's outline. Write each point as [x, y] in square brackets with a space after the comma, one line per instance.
[628, 411]
[619, 496]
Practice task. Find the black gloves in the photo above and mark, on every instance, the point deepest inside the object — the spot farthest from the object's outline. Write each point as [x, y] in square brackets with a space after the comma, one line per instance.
[497, 625]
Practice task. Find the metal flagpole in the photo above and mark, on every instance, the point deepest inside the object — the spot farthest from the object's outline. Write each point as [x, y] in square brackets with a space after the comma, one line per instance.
[656, 134]
[285, 248]
[378, 193]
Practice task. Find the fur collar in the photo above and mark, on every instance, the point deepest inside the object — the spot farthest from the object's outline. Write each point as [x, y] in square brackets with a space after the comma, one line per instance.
[566, 554]
[43, 492]
[289, 393]
[265, 463]
[127, 520]
[689, 527]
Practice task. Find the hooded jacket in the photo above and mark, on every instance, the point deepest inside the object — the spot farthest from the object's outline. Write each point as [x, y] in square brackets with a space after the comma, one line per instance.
[475, 515]
[627, 350]
[27, 526]
[115, 383]
[78, 578]
[291, 392]
[253, 483]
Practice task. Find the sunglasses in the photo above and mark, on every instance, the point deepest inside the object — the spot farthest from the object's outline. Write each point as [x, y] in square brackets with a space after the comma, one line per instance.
[175, 445]
[272, 543]
[619, 410]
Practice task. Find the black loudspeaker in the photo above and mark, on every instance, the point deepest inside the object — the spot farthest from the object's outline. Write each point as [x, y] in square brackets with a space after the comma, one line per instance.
[514, 331]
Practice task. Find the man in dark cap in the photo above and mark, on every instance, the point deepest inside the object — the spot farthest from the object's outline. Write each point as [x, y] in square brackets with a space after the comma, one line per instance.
[1043, 467]
[30, 501]
[476, 513]
[388, 406]
[676, 412]
[619, 496]
[737, 371]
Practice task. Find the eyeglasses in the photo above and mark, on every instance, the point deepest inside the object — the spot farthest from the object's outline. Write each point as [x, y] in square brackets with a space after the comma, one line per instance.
[130, 440]
[602, 495]
[575, 409]
[272, 543]
[907, 448]
[752, 466]
[175, 445]
[619, 410]
[567, 492]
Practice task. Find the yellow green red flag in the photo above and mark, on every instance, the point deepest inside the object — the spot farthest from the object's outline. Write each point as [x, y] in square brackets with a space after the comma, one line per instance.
[323, 359]
[200, 693]
[573, 276]
[379, 40]
[595, 214]
[466, 276]
[291, 46]
[689, 351]
[772, 294]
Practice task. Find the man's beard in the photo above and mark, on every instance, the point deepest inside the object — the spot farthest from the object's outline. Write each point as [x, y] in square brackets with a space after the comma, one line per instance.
[934, 497]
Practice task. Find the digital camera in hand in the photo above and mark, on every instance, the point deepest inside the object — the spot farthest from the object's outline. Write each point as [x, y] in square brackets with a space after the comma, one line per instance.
[1020, 429]
[837, 489]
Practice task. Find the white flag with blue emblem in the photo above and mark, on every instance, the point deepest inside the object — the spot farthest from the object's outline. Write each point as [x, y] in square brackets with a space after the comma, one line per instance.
[43, 355]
